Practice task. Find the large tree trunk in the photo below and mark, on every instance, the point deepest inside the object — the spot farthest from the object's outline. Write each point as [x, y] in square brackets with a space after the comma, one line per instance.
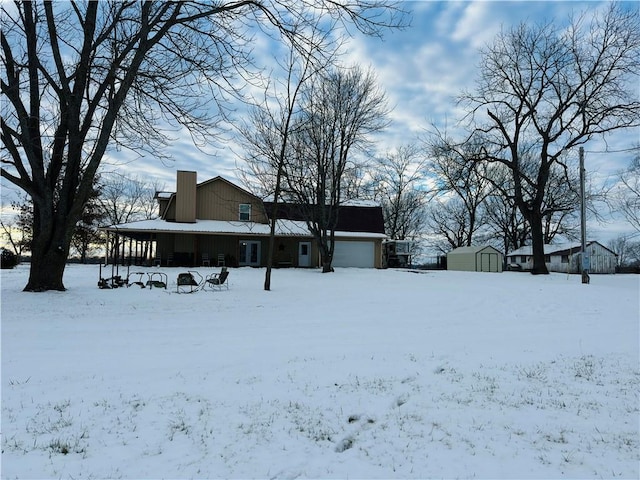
[537, 242]
[52, 233]
[47, 268]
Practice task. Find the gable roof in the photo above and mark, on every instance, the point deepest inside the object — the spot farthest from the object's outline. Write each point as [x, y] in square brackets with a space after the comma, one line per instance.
[171, 196]
[355, 217]
[472, 249]
[351, 218]
[222, 179]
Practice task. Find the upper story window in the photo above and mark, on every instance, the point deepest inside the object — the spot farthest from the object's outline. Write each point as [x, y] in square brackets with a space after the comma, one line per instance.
[245, 212]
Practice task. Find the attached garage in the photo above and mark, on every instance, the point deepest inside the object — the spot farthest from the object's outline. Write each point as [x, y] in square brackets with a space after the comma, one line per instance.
[354, 254]
[475, 259]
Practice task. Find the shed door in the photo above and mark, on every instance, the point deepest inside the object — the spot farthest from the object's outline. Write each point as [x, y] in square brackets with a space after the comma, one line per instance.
[354, 254]
[488, 262]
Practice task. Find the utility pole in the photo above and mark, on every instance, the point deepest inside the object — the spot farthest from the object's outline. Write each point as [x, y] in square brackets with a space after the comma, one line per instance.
[585, 261]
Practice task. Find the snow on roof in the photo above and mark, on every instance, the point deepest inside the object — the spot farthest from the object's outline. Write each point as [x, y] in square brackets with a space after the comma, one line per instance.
[360, 203]
[164, 194]
[346, 203]
[550, 249]
[283, 228]
[472, 249]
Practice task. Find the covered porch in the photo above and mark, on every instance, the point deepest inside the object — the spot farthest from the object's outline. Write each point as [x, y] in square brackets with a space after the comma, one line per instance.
[190, 245]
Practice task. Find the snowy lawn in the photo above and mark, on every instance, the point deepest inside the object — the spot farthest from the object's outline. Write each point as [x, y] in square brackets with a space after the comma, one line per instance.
[356, 374]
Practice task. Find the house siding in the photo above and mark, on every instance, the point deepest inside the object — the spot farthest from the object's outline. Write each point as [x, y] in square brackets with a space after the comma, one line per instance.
[603, 260]
[220, 200]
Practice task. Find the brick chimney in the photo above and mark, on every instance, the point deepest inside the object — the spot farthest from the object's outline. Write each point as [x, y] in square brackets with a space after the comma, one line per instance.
[186, 196]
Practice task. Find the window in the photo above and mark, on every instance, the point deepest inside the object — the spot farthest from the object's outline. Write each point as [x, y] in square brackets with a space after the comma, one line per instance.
[245, 212]
[547, 258]
[565, 259]
[523, 259]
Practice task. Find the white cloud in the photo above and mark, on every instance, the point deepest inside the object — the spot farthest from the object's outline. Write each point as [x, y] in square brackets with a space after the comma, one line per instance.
[477, 25]
[422, 69]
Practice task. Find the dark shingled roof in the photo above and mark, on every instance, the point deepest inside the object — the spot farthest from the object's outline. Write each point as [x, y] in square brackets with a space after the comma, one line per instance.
[351, 218]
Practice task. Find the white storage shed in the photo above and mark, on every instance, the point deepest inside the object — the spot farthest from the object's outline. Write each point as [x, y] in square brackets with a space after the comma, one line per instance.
[475, 259]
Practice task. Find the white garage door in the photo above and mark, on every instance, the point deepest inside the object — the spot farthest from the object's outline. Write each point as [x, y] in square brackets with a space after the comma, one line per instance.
[354, 254]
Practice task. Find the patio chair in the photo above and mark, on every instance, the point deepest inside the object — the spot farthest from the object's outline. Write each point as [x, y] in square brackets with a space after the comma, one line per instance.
[221, 262]
[205, 260]
[216, 281]
[138, 281]
[187, 282]
[157, 280]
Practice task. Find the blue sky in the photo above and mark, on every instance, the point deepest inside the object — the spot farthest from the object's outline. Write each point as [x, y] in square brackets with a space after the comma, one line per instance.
[421, 68]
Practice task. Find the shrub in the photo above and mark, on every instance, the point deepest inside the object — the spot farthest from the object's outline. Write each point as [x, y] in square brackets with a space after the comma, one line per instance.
[7, 258]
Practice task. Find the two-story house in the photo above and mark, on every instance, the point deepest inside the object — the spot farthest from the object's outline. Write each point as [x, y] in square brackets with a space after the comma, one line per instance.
[217, 221]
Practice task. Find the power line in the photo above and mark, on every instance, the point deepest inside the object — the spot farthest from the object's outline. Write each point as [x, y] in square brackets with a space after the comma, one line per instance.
[624, 150]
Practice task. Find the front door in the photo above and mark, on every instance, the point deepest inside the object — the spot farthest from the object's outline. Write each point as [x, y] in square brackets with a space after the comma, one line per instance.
[304, 254]
[249, 253]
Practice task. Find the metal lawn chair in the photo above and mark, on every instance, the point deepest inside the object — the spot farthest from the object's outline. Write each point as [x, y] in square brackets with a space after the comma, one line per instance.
[187, 282]
[216, 281]
[157, 280]
[138, 282]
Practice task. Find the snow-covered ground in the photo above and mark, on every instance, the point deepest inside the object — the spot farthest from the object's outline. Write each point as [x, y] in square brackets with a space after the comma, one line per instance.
[355, 374]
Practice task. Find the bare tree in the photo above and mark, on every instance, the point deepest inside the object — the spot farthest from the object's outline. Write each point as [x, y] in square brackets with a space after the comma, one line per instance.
[10, 234]
[86, 236]
[148, 208]
[81, 76]
[17, 230]
[356, 178]
[125, 199]
[266, 134]
[448, 224]
[399, 184]
[341, 108]
[561, 206]
[620, 246]
[506, 223]
[627, 194]
[544, 90]
[560, 210]
[465, 183]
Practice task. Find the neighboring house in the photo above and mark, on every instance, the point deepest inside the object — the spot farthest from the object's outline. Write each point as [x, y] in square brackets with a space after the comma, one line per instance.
[475, 259]
[566, 258]
[217, 219]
